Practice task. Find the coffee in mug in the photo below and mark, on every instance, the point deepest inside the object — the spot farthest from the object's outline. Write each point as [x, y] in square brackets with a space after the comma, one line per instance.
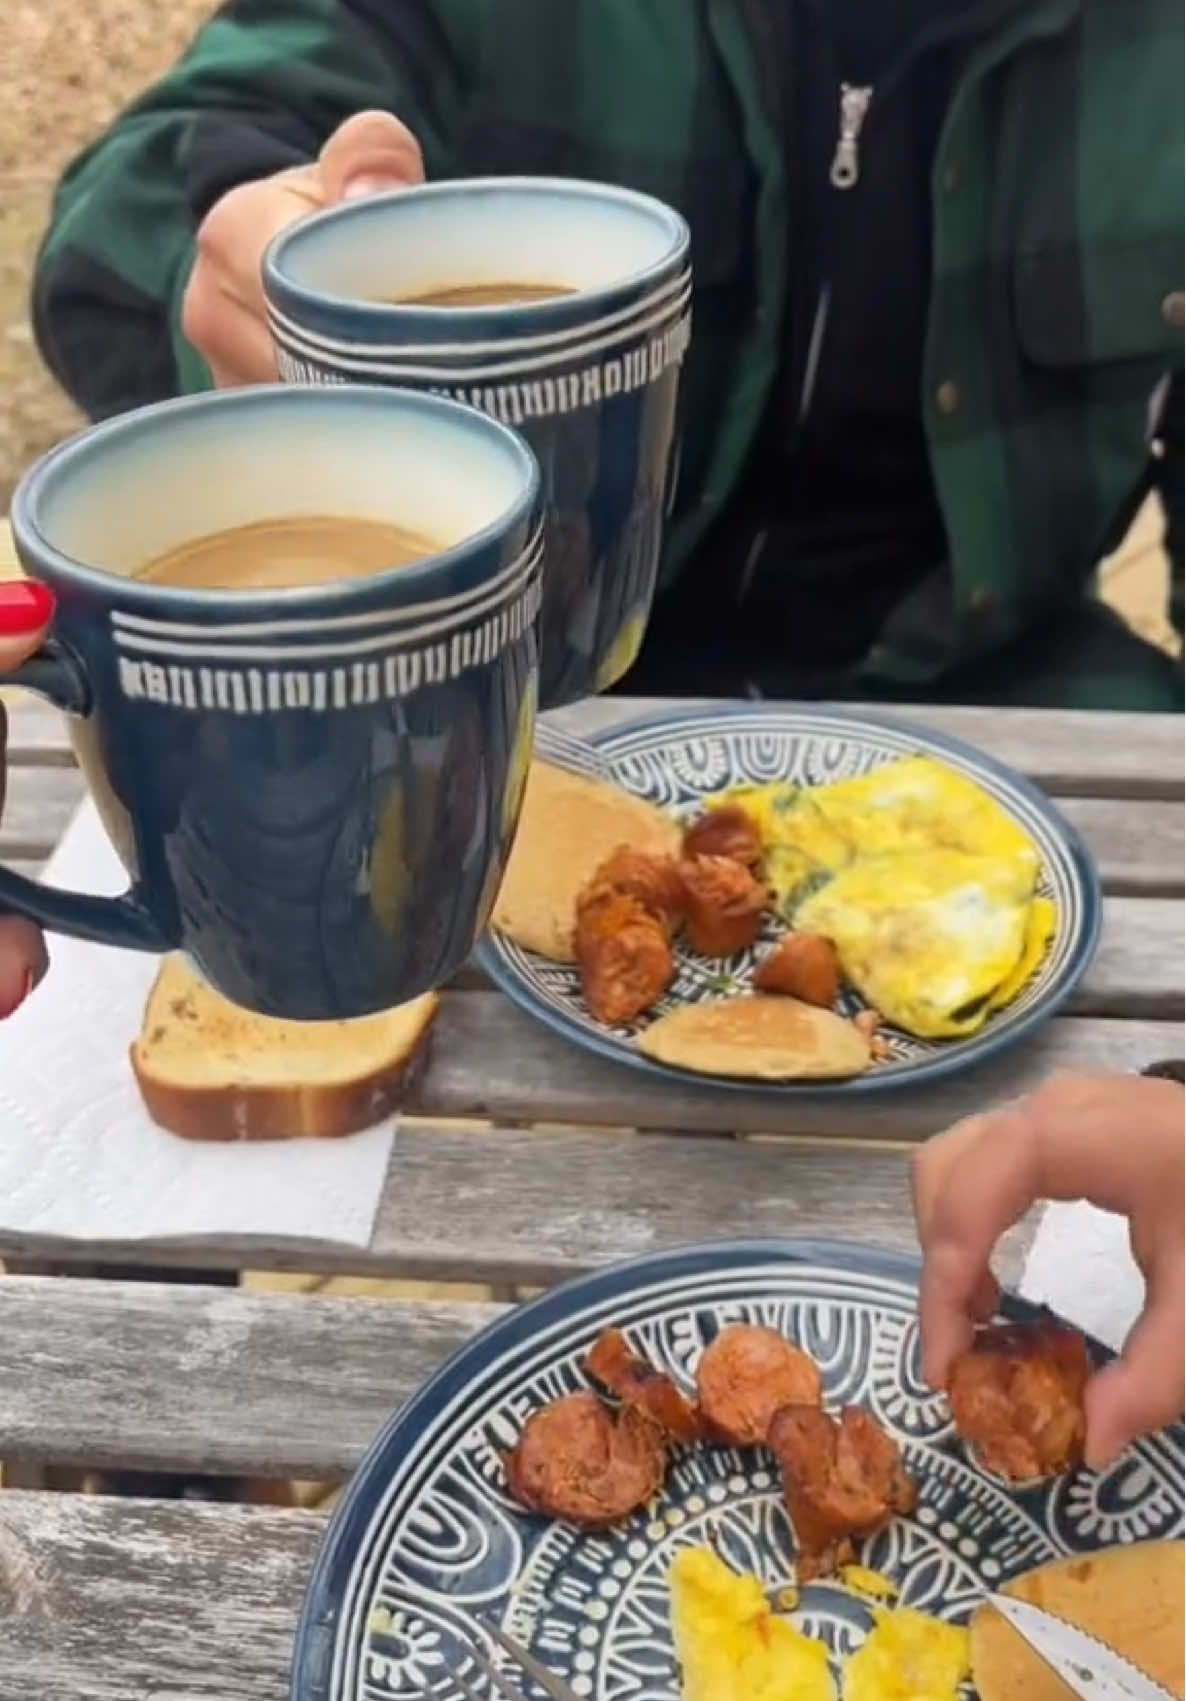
[279, 554]
[296, 634]
[588, 373]
[485, 295]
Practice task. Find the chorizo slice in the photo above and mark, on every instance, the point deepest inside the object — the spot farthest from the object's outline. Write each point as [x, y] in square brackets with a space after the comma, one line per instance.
[745, 1375]
[636, 1382]
[624, 956]
[578, 1461]
[1017, 1397]
[804, 966]
[653, 880]
[843, 1481]
[725, 905]
[727, 831]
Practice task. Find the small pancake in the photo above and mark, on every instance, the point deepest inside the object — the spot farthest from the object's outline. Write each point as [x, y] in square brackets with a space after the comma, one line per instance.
[568, 828]
[762, 1039]
[1128, 1597]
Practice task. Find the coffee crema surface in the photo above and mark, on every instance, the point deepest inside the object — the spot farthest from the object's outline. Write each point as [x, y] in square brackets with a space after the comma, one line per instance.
[485, 295]
[282, 554]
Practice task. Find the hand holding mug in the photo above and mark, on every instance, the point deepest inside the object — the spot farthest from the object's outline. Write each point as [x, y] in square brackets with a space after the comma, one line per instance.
[295, 632]
[223, 308]
[25, 610]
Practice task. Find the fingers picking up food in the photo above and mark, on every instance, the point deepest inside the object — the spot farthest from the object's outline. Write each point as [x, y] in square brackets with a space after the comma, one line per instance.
[1017, 1398]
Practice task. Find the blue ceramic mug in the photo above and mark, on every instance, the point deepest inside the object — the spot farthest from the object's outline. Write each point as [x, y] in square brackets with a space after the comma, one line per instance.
[313, 789]
[590, 378]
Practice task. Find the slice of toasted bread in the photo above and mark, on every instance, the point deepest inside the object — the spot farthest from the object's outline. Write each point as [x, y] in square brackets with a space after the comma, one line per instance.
[760, 1038]
[569, 826]
[208, 1070]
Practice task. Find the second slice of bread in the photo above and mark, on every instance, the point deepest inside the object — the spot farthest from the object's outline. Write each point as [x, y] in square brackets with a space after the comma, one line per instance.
[208, 1070]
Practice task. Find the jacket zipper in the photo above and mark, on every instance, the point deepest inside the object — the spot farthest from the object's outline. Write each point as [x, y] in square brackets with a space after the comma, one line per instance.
[846, 161]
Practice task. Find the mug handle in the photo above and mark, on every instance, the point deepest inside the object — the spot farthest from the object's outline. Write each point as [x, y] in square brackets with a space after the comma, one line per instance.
[54, 673]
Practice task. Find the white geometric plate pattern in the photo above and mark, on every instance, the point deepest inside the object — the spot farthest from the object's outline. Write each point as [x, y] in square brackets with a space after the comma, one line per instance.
[428, 1542]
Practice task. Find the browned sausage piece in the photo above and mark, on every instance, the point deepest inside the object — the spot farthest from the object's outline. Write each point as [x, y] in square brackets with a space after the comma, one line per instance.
[725, 832]
[1017, 1397]
[615, 1364]
[624, 954]
[843, 1481]
[653, 880]
[746, 1374]
[578, 1461]
[801, 965]
[725, 905]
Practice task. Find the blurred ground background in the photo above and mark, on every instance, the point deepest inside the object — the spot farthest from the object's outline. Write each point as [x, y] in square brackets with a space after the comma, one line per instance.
[65, 70]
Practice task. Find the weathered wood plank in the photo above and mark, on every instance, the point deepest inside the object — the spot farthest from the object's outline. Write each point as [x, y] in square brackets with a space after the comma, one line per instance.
[39, 804]
[119, 1600]
[36, 733]
[1139, 846]
[1139, 969]
[1071, 753]
[1084, 753]
[489, 1061]
[224, 1381]
[534, 1206]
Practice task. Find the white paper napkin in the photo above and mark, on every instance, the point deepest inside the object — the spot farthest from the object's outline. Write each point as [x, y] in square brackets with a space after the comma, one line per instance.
[79, 1155]
[1081, 1266]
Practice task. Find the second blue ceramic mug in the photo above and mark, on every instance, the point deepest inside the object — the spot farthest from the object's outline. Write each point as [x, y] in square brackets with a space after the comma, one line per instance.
[589, 376]
[313, 789]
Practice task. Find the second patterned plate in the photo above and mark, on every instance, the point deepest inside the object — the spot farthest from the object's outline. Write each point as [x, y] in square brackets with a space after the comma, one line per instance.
[678, 759]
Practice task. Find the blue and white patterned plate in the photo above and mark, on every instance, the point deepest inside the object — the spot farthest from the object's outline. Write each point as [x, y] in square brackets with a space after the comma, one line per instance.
[678, 759]
[427, 1541]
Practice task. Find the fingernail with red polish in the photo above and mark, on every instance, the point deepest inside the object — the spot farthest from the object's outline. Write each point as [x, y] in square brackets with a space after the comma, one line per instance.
[25, 607]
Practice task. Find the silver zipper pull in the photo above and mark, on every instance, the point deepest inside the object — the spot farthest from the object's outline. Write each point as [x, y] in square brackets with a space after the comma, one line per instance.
[846, 164]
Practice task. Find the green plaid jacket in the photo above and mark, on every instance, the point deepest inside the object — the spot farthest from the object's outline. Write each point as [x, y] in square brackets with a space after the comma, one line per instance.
[1058, 238]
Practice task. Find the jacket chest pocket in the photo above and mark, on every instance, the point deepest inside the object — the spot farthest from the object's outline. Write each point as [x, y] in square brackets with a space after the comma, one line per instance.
[1108, 307]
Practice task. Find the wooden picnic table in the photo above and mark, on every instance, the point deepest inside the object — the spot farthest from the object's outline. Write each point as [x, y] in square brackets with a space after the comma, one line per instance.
[521, 1161]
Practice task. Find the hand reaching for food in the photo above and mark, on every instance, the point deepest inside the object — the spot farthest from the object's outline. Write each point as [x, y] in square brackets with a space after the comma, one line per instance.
[1116, 1141]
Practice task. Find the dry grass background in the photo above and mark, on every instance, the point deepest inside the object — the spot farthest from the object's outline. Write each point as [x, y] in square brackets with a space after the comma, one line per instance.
[65, 70]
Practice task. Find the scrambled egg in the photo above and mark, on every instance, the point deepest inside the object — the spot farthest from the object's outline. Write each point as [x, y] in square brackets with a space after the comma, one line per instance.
[874, 1584]
[729, 1644]
[924, 883]
[927, 939]
[908, 1656]
[918, 804]
[732, 1648]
